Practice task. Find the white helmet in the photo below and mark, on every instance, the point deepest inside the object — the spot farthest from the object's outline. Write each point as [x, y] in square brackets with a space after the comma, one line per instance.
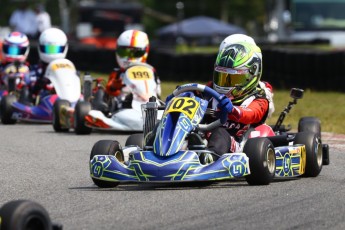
[235, 38]
[52, 45]
[132, 46]
[15, 47]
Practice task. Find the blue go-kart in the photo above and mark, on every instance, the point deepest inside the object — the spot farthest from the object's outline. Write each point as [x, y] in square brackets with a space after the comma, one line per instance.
[173, 149]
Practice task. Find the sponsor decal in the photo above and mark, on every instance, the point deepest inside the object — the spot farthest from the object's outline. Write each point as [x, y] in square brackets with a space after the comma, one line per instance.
[287, 163]
[237, 169]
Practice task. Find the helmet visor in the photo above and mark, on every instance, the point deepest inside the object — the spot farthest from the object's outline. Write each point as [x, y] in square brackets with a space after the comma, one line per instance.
[130, 52]
[14, 50]
[52, 49]
[230, 80]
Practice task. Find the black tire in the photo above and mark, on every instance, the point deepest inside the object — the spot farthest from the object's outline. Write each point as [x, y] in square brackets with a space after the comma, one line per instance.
[98, 102]
[24, 214]
[310, 124]
[56, 115]
[262, 161]
[313, 147]
[325, 154]
[6, 109]
[135, 139]
[107, 147]
[82, 108]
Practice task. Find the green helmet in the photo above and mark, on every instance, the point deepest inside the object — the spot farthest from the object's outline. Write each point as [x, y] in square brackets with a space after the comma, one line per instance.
[237, 70]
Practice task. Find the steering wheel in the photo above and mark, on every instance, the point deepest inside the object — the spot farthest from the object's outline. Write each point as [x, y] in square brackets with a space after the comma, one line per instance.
[208, 92]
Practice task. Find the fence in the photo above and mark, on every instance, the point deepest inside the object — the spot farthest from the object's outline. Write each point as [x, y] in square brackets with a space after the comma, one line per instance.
[283, 68]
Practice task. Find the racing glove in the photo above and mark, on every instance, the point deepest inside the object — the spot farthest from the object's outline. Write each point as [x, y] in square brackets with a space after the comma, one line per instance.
[116, 84]
[225, 106]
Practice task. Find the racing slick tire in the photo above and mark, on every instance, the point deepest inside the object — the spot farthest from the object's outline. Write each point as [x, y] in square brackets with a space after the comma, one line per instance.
[310, 124]
[24, 214]
[56, 115]
[6, 109]
[82, 108]
[313, 147]
[313, 124]
[107, 147]
[262, 161]
[136, 139]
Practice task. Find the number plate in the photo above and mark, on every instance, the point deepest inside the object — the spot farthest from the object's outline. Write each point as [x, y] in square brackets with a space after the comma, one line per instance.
[185, 105]
[139, 73]
[61, 65]
[12, 69]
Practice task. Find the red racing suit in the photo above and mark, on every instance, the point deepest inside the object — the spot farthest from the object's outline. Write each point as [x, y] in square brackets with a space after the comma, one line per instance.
[250, 112]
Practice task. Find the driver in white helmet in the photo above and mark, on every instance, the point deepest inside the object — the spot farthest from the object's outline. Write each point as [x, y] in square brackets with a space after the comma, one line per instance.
[52, 45]
[15, 49]
[132, 47]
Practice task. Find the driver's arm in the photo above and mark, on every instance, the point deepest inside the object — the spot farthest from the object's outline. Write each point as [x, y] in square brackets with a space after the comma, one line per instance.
[114, 84]
[253, 113]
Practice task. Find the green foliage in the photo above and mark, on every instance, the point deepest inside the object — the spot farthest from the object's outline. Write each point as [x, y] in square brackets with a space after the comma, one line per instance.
[238, 12]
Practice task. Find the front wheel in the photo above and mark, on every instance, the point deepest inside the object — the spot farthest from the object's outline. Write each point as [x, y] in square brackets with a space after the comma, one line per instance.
[24, 214]
[313, 147]
[107, 147]
[58, 105]
[262, 161]
[82, 108]
[6, 110]
[136, 139]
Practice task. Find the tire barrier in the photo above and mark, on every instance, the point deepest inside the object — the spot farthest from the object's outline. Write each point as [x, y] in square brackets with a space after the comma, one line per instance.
[282, 67]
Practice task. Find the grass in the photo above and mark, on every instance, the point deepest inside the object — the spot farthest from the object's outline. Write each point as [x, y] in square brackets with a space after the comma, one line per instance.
[324, 105]
[327, 106]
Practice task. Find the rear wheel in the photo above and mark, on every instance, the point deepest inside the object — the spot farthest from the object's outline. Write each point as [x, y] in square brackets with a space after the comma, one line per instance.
[6, 109]
[107, 147]
[313, 124]
[262, 161]
[82, 108]
[57, 115]
[313, 149]
[24, 214]
[136, 139]
[310, 124]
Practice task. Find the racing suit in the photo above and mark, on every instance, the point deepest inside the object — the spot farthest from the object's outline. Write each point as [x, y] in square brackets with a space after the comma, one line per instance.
[39, 84]
[250, 112]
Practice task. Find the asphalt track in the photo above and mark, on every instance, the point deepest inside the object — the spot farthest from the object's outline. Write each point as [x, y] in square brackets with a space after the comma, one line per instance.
[52, 169]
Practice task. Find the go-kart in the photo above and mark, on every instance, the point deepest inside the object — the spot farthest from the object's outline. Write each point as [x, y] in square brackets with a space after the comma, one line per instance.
[66, 83]
[64, 111]
[174, 149]
[95, 113]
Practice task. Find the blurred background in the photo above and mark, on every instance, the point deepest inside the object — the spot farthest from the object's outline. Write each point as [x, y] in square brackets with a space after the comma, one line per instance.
[302, 40]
